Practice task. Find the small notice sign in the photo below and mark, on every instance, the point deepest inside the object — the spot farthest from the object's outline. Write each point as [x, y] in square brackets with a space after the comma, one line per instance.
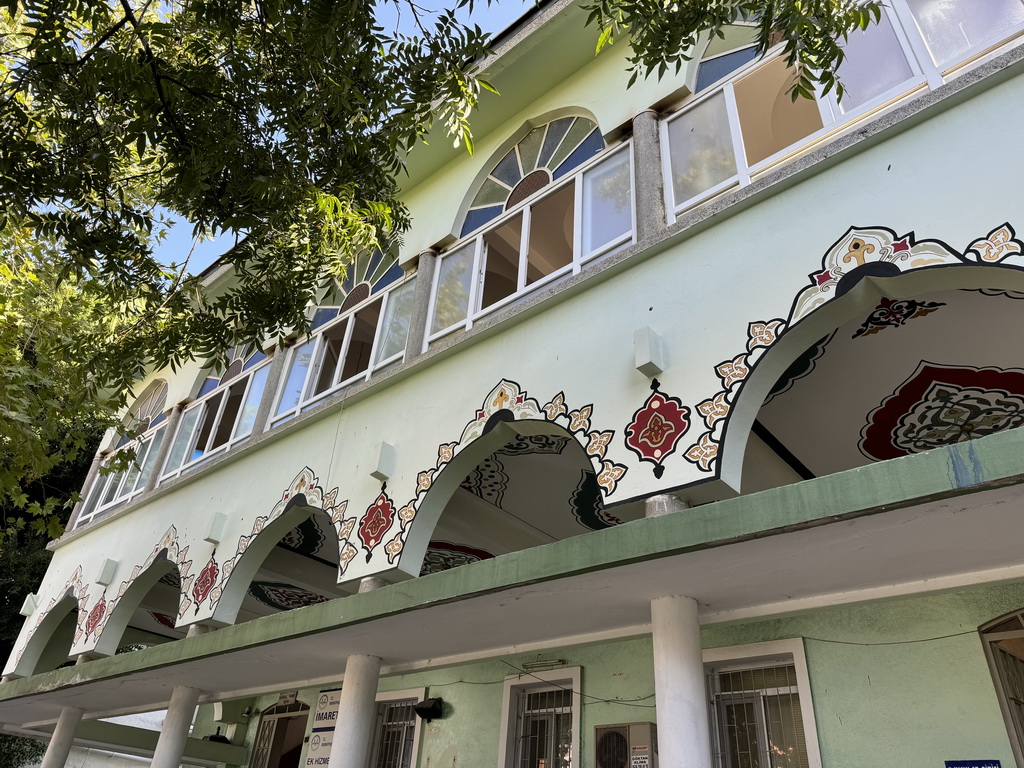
[324, 718]
[973, 764]
[639, 761]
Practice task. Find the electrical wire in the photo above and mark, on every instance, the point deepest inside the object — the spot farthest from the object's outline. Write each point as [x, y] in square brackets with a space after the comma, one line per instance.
[593, 699]
[894, 642]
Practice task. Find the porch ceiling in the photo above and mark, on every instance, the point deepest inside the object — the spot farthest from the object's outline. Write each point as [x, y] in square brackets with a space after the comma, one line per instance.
[938, 520]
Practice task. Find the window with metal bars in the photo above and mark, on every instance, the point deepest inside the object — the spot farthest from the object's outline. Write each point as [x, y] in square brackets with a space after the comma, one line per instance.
[756, 720]
[543, 728]
[394, 734]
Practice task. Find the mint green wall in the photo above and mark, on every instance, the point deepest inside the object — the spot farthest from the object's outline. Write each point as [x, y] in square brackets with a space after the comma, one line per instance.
[907, 703]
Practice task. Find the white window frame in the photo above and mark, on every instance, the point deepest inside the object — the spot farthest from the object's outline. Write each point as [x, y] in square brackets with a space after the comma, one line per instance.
[317, 354]
[101, 482]
[924, 76]
[563, 677]
[756, 655]
[233, 440]
[475, 240]
[417, 694]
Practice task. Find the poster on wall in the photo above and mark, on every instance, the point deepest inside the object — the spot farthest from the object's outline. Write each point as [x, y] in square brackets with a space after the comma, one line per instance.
[324, 718]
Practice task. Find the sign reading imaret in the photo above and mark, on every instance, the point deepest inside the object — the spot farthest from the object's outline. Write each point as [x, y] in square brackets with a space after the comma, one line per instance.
[324, 719]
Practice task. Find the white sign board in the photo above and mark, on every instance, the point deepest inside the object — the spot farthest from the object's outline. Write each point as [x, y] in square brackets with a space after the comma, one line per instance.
[324, 718]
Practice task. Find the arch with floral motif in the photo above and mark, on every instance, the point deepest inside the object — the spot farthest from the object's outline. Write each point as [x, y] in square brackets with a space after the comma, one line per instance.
[222, 583]
[72, 597]
[860, 268]
[506, 412]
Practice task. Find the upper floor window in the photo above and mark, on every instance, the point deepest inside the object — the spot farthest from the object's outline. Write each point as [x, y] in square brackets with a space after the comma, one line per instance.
[545, 154]
[362, 329]
[742, 122]
[144, 432]
[223, 414]
[549, 234]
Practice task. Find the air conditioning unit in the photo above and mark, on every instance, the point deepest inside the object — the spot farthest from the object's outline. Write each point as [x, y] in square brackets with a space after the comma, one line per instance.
[627, 745]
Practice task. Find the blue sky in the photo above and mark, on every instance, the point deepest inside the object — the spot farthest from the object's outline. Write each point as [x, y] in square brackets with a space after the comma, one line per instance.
[491, 18]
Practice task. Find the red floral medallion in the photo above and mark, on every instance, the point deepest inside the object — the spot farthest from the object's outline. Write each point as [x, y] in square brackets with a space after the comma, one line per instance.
[95, 616]
[657, 427]
[204, 582]
[375, 523]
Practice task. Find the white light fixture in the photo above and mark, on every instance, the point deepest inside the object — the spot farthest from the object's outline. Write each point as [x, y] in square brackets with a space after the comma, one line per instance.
[648, 352]
[106, 572]
[385, 462]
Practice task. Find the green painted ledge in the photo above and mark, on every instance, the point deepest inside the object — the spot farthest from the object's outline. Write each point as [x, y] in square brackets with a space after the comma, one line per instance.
[991, 462]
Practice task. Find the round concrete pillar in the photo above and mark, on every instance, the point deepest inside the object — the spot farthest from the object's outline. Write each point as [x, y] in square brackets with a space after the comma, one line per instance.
[63, 738]
[171, 744]
[679, 688]
[356, 712]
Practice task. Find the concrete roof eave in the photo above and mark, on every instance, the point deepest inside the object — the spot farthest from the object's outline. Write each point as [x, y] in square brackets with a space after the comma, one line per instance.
[839, 538]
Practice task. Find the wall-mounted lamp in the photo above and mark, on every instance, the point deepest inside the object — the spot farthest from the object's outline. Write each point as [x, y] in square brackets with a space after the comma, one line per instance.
[429, 709]
[539, 664]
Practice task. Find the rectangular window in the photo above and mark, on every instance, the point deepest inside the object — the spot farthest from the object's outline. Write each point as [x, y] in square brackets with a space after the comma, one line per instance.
[759, 708]
[218, 420]
[347, 348]
[111, 490]
[396, 730]
[953, 29]
[394, 734]
[541, 716]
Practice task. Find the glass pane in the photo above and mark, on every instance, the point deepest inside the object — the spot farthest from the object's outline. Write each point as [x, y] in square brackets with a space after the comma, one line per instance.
[770, 120]
[607, 203]
[149, 464]
[529, 149]
[711, 71]
[739, 734]
[397, 317]
[552, 137]
[247, 417]
[451, 303]
[953, 27]
[183, 438]
[292, 390]
[580, 130]
[501, 273]
[360, 346]
[874, 64]
[329, 355]
[206, 424]
[233, 406]
[700, 149]
[141, 452]
[112, 488]
[551, 231]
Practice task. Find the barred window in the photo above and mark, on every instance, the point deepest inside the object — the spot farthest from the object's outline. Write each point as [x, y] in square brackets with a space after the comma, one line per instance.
[756, 719]
[394, 734]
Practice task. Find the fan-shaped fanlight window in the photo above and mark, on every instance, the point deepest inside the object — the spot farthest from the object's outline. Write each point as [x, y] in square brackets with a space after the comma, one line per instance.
[368, 274]
[148, 411]
[545, 154]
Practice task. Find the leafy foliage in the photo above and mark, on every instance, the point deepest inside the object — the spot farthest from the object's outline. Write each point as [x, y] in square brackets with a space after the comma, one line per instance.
[284, 122]
[663, 35]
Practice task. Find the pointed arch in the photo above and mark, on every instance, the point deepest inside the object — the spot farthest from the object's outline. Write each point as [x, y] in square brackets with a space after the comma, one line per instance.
[862, 267]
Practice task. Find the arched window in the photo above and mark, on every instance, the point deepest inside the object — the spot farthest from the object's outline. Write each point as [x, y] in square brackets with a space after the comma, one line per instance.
[143, 434]
[223, 413]
[555, 200]
[545, 154]
[361, 326]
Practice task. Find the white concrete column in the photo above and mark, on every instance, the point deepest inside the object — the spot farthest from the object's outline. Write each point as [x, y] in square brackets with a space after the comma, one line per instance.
[63, 738]
[356, 713]
[680, 692]
[180, 712]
